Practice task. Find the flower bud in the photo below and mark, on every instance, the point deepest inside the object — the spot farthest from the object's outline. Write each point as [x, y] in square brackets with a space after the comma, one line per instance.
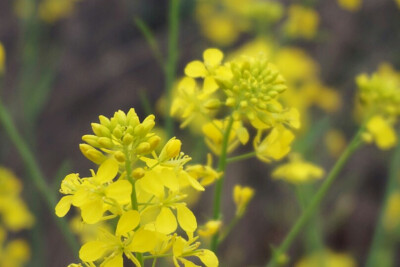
[171, 149]
[138, 173]
[119, 156]
[92, 154]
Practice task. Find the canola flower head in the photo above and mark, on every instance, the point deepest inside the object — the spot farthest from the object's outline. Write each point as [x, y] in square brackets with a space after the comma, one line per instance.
[379, 101]
[14, 253]
[298, 171]
[210, 228]
[138, 186]
[51, 11]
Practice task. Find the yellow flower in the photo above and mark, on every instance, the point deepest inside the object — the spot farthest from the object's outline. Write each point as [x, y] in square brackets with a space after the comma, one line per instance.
[13, 211]
[89, 193]
[274, 146]
[210, 228]
[15, 253]
[51, 11]
[391, 218]
[381, 132]
[298, 171]
[205, 173]
[2, 58]
[213, 133]
[327, 258]
[184, 248]
[350, 5]
[242, 196]
[302, 22]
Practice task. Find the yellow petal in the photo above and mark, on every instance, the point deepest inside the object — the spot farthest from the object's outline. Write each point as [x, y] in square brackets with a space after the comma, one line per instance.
[208, 258]
[210, 85]
[178, 246]
[81, 197]
[169, 179]
[243, 135]
[383, 133]
[196, 69]
[92, 211]
[166, 221]
[213, 57]
[115, 261]
[107, 171]
[186, 219]
[63, 206]
[143, 241]
[120, 191]
[151, 184]
[92, 251]
[128, 222]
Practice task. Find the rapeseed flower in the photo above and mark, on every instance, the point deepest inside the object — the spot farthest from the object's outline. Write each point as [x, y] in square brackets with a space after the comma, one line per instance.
[242, 195]
[327, 258]
[302, 22]
[350, 5]
[51, 11]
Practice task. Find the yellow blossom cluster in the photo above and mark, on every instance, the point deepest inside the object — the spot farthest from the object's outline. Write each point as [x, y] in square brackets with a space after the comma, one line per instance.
[138, 188]
[223, 21]
[302, 22]
[327, 258]
[14, 216]
[244, 89]
[379, 104]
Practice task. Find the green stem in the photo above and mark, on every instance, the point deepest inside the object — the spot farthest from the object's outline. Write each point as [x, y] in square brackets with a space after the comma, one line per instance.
[171, 65]
[37, 176]
[241, 157]
[229, 228]
[220, 182]
[317, 199]
[380, 237]
[134, 202]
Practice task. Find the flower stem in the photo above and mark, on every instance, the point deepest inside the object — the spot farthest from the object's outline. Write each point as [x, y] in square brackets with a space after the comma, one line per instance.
[380, 240]
[241, 157]
[220, 182]
[317, 199]
[36, 174]
[134, 202]
[172, 58]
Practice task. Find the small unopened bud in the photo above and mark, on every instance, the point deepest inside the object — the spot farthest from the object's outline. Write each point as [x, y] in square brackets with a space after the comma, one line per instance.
[171, 149]
[91, 140]
[104, 121]
[212, 104]
[138, 173]
[100, 130]
[230, 102]
[127, 140]
[117, 132]
[154, 141]
[92, 154]
[143, 148]
[106, 142]
[119, 156]
[242, 197]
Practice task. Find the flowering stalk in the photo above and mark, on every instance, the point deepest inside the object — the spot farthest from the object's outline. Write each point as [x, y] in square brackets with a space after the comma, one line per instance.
[314, 204]
[220, 182]
[36, 174]
[379, 235]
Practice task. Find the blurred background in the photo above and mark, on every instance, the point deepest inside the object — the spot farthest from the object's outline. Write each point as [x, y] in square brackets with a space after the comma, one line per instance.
[68, 61]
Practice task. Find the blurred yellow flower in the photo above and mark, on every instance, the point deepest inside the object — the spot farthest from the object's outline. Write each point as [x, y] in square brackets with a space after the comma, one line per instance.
[381, 132]
[242, 195]
[327, 258]
[391, 218]
[302, 22]
[350, 5]
[210, 228]
[51, 11]
[14, 253]
[298, 171]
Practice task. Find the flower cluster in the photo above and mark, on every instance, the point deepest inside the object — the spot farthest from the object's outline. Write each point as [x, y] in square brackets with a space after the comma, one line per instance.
[138, 188]
[245, 89]
[15, 216]
[379, 99]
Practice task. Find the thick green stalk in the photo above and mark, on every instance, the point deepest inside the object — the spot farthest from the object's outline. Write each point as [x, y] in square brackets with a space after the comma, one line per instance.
[380, 242]
[172, 58]
[36, 174]
[317, 199]
[220, 182]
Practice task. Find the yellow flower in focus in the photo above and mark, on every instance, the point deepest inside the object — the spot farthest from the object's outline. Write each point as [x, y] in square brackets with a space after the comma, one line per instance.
[335, 142]
[327, 258]
[391, 218]
[242, 196]
[350, 5]
[205, 173]
[51, 11]
[302, 22]
[2, 58]
[274, 146]
[210, 228]
[381, 132]
[298, 171]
